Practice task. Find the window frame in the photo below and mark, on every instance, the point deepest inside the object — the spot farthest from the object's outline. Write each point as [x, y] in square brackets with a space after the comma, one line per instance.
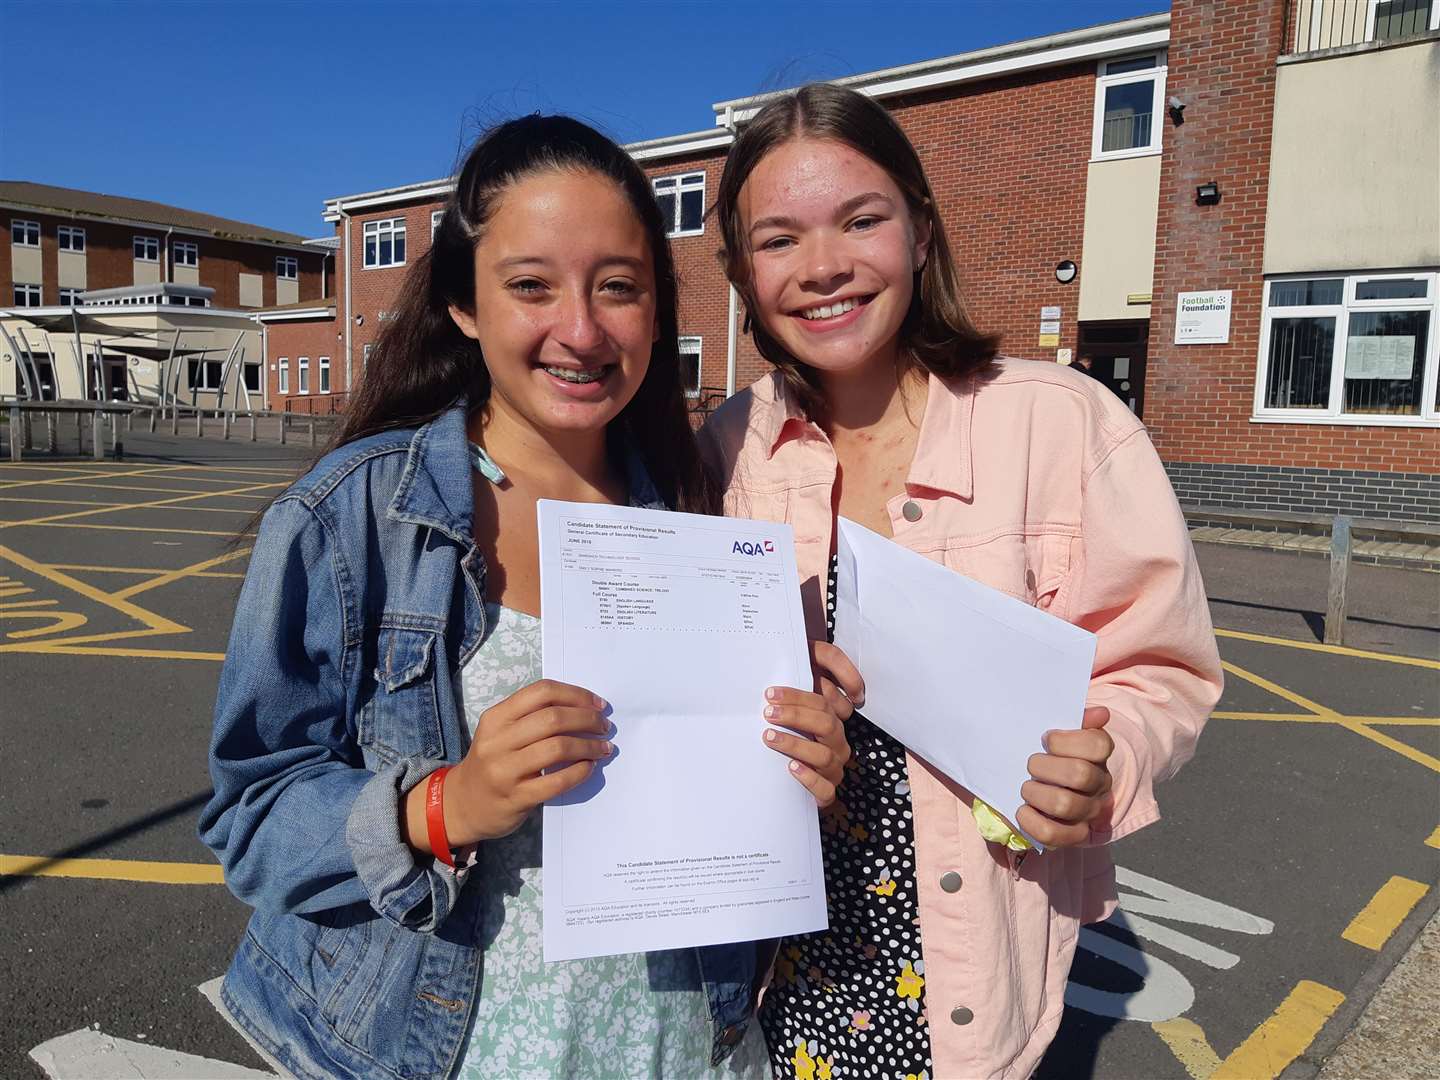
[245, 369]
[392, 226]
[699, 351]
[1429, 413]
[1372, 10]
[205, 368]
[282, 375]
[70, 233]
[28, 228]
[302, 375]
[293, 262]
[435, 216]
[31, 290]
[148, 242]
[1103, 81]
[678, 181]
[190, 249]
[75, 299]
[322, 375]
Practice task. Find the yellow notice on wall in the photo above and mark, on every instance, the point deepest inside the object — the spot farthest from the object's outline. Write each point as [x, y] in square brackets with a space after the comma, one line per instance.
[1049, 341]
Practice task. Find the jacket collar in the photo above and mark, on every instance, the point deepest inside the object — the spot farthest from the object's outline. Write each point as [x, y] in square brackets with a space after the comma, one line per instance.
[943, 460]
[435, 488]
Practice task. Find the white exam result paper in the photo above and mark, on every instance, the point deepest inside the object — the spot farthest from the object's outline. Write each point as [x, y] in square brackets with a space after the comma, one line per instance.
[964, 675]
[693, 832]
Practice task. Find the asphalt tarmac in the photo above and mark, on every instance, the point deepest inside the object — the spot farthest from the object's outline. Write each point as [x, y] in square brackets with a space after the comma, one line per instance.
[1297, 859]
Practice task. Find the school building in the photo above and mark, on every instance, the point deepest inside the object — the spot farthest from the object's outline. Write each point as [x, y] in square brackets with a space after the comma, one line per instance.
[1228, 213]
[112, 298]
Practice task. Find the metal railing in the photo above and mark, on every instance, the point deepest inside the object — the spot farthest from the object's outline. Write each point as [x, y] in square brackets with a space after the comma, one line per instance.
[1333, 24]
[326, 404]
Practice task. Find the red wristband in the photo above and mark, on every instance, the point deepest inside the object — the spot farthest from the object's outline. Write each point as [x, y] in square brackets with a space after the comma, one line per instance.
[435, 817]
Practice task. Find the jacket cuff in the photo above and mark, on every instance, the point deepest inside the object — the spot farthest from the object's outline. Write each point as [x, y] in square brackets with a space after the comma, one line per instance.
[408, 889]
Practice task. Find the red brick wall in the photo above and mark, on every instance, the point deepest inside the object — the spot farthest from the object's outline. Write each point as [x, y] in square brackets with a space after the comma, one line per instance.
[375, 291]
[1199, 398]
[313, 338]
[110, 253]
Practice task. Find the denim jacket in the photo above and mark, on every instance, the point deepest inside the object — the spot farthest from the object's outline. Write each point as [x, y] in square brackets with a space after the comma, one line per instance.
[365, 594]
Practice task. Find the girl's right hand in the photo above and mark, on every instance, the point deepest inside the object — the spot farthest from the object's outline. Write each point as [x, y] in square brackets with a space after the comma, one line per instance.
[503, 778]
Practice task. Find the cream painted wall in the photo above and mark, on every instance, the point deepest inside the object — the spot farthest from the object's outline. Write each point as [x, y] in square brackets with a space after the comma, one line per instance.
[1355, 163]
[25, 266]
[72, 269]
[251, 290]
[1122, 200]
[146, 273]
[286, 292]
[185, 275]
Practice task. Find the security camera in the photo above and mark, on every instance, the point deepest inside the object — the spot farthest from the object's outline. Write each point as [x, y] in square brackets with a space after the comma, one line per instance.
[1176, 103]
[1176, 110]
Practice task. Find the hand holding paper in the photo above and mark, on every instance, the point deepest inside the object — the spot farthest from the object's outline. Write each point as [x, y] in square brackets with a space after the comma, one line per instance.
[1070, 784]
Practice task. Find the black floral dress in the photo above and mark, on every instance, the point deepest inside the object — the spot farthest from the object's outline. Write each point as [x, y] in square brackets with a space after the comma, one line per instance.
[851, 1002]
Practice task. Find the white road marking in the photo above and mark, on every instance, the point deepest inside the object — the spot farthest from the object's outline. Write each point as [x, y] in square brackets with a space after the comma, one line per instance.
[89, 1054]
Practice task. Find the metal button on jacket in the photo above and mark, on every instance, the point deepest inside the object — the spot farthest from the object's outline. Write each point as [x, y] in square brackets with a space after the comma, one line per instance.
[950, 881]
[911, 510]
[961, 1015]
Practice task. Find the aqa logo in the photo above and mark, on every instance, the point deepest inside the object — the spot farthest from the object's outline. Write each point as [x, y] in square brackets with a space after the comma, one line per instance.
[745, 547]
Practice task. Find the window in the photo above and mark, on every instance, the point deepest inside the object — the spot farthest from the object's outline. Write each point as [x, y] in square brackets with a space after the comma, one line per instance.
[287, 268]
[435, 216]
[185, 253]
[147, 249]
[365, 357]
[199, 301]
[324, 374]
[385, 243]
[690, 365]
[1396, 19]
[27, 295]
[682, 203]
[251, 374]
[1360, 348]
[304, 375]
[71, 238]
[205, 374]
[283, 379]
[1128, 98]
[70, 297]
[25, 233]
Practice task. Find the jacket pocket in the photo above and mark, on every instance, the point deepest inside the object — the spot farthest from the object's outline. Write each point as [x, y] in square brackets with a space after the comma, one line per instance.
[1030, 566]
[402, 716]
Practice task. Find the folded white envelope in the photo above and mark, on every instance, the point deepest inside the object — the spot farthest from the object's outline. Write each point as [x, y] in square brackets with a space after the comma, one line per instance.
[965, 676]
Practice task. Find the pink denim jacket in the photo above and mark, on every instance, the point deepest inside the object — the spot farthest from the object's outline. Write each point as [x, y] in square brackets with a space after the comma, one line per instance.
[1037, 481]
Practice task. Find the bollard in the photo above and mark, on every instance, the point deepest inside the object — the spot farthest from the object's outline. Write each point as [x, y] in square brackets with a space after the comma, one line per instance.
[152, 421]
[282, 429]
[199, 423]
[1339, 579]
[29, 435]
[252, 427]
[312, 429]
[15, 436]
[79, 434]
[97, 436]
[50, 444]
[117, 444]
[225, 423]
[175, 420]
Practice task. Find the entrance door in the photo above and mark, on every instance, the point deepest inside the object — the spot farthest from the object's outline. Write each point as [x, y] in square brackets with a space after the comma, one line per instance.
[116, 388]
[1114, 353]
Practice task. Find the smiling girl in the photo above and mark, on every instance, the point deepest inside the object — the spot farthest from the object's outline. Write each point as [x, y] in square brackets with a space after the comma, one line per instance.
[383, 739]
[947, 954]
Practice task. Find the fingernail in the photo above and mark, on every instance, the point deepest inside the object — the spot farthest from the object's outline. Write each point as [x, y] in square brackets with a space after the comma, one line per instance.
[608, 749]
[772, 711]
[771, 735]
[795, 767]
[773, 693]
[599, 701]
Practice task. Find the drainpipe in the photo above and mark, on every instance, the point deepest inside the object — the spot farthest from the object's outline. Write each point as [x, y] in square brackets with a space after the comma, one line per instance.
[349, 349]
[165, 266]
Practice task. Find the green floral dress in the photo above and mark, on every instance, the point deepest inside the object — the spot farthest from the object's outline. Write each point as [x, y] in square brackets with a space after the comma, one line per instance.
[626, 1017]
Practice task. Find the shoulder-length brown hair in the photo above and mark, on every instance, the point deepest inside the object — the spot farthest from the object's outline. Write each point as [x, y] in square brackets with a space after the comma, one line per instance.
[936, 334]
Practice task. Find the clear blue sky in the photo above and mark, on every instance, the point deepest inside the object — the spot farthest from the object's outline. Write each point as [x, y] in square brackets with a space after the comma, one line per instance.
[260, 110]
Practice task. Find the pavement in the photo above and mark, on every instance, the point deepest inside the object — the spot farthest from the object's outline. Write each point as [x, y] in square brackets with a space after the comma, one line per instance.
[1270, 926]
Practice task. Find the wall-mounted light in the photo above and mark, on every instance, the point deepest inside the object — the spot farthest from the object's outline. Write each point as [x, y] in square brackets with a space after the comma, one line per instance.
[1207, 194]
[1176, 109]
[359, 320]
[1065, 272]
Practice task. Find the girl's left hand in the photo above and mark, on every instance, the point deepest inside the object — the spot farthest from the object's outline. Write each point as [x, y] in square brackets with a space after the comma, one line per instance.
[819, 752]
[1070, 783]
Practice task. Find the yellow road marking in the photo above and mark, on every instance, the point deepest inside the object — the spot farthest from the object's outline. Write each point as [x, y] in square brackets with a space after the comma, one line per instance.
[1187, 1041]
[146, 618]
[140, 570]
[1284, 1036]
[1330, 715]
[158, 490]
[1313, 718]
[176, 575]
[144, 654]
[1433, 840]
[1385, 911]
[1338, 650]
[135, 529]
[152, 504]
[60, 621]
[100, 506]
[10, 485]
[161, 873]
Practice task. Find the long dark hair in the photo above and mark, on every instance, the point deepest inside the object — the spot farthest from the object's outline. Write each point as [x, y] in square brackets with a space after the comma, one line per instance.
[423, 364]
[936, 334]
